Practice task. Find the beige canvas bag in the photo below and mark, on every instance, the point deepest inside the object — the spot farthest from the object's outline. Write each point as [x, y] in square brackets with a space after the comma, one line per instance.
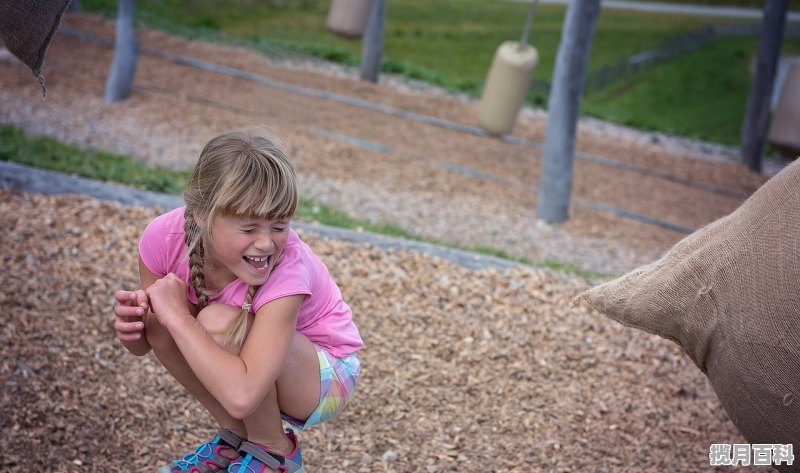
[729, 295]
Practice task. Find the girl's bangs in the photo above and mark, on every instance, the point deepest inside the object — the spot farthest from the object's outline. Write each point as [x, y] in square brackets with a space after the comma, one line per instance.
[252, 195]
[262, 206]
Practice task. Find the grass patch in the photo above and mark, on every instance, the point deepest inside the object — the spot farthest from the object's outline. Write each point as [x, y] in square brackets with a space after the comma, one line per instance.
[321, 213]
[317, 212]
[449, 43]
[547, 263]
[48, 153]
[702, 94]
[669, 100]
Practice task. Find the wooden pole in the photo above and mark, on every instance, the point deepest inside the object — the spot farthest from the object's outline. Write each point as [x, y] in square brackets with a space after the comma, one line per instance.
[555, 184]
[126, 54]
[756, 117]
[372, 45]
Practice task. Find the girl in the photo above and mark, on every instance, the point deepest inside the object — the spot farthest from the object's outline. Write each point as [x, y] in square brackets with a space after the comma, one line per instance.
[240, 311]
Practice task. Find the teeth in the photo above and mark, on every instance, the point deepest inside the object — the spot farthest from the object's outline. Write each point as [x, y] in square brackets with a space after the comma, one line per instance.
[258, 260]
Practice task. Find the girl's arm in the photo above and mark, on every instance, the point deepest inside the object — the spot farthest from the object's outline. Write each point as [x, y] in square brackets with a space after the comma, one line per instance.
[239, 383]
[131, 312]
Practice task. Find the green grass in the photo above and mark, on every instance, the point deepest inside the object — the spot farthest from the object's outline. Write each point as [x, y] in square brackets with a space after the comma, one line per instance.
[48, 153]
[325, 214]
[669, 100]
[451, 43]
[702, 94]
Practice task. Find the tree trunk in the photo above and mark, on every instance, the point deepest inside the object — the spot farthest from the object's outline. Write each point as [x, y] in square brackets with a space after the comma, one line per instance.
[372, 45]
[756, 118]
[555, 185]
[126, 54]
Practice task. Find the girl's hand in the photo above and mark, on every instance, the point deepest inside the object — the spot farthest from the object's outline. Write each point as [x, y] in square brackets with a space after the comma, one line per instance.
[130, 311]
[168, 299]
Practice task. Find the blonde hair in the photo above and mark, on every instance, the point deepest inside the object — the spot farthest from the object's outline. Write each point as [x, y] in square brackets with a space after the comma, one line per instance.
[241, 173]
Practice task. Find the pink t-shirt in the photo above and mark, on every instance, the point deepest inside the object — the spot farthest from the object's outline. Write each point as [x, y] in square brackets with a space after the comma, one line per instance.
[323, 316]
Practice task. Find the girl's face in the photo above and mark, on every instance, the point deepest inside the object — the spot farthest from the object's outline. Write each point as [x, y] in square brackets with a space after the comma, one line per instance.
[244, 248]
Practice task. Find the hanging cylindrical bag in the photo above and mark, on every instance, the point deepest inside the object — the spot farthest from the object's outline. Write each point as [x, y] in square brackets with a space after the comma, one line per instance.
[506, 86]
[507, 83]
[348, 18]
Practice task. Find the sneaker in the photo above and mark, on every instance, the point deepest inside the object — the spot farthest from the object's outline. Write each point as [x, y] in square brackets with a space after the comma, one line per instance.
[212, 456]
[258, 459]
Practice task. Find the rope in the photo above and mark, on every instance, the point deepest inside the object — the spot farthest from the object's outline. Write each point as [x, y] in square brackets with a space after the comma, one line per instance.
[523, 41]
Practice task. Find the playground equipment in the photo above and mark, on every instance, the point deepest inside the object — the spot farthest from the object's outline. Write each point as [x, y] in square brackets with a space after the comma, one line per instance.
[507, 82]
[348, 18]
[784, 133]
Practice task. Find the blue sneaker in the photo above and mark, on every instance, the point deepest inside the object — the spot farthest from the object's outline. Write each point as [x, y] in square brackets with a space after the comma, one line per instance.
[212, 456]
[258, 459]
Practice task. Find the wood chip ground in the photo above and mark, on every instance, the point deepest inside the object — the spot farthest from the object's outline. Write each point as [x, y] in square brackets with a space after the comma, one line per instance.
[464, 370]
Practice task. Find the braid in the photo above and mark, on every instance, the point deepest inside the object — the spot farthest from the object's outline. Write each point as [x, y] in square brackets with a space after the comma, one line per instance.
[237, 330]
[194, 241]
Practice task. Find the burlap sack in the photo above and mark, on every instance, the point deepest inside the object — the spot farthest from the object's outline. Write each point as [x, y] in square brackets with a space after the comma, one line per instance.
[26, 28]
[729, 295]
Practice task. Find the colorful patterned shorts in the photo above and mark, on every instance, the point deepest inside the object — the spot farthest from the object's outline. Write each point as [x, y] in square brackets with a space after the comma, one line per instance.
[338, 378]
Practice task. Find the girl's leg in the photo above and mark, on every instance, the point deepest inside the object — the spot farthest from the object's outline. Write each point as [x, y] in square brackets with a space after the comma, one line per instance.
[296, 392]
[170, 356]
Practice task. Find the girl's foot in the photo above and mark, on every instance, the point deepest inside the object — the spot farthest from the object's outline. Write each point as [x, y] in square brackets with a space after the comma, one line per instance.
[258, 459]
[212, 456]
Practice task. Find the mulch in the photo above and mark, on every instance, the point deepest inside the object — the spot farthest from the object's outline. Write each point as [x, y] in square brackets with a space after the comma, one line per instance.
[463, 370]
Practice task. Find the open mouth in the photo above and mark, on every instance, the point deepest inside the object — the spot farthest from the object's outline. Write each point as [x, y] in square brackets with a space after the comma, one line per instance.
[257, 263]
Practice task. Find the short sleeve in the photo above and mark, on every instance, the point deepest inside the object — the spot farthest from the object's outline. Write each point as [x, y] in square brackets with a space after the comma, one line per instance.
[157, 246]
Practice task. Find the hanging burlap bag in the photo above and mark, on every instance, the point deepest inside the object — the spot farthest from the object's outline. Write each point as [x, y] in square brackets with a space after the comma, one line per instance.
[729, 295]
[26, 28]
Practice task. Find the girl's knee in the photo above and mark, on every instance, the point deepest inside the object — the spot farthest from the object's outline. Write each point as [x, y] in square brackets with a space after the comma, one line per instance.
[216, 319]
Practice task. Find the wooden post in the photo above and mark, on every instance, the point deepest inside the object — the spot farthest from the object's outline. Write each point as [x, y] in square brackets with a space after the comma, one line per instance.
[372, 45]
[563, 106]
[756, 117]
[126, 54]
